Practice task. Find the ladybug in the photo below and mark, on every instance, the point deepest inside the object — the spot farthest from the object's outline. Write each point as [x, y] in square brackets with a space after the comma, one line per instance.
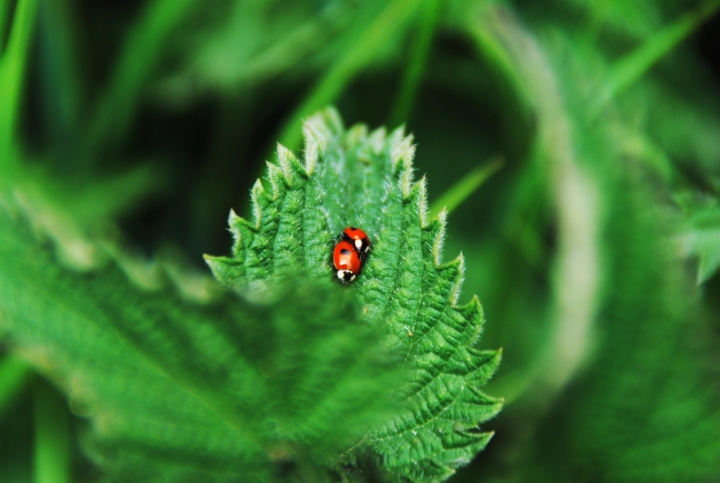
[347, 261]
[359, 238]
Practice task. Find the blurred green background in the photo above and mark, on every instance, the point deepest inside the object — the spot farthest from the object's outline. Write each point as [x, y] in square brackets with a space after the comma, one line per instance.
[593, 128]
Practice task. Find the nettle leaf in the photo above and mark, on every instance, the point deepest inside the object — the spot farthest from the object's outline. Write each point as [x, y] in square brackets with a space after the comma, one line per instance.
[358, 178]
[177, 390]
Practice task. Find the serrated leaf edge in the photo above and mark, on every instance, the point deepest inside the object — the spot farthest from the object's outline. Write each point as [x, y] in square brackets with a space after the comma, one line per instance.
[325, 127]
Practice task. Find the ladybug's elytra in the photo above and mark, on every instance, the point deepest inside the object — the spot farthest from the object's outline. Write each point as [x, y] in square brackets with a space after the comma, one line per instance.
[359, 238]
[347, 261]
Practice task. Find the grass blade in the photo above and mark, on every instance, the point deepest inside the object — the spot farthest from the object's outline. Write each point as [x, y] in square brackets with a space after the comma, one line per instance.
[413, 73]
[297, 45]
[12, 74]
[389, 22]
[635, 65]
[466, 186]
[5, 9]
[144, 46]
[62, 83]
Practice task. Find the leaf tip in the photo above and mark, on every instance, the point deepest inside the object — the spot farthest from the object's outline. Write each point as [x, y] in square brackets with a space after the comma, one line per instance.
[277, 179]
[406, 177]
[312, 150]
[285, 157]
[377, 140]
[438, 226]
[291, 166]
[218, 264]
[401, 147]
[474, 311]
[459, 277]
[323, 127]
[421, 187]
[257, 195]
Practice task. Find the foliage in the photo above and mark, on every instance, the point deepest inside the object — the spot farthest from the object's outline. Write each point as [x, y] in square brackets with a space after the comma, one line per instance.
[701, 235]
[225, 387]
[133, 127]
[365, 179]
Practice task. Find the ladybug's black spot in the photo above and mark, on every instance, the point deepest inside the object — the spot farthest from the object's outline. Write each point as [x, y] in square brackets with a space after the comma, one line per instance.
[344, 251]
[345, 276]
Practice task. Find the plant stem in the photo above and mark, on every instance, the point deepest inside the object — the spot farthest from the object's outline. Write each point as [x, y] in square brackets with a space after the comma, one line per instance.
[51, 462]
[13, 376]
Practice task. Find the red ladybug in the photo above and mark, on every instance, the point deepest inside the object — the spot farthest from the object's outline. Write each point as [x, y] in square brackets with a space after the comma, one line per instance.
[347, 261]
[358, 238]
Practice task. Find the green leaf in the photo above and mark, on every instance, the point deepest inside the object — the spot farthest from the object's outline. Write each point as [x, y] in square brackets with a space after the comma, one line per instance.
[13, 63]
[631, 68]
[701, 235]
[646, 408]
[183, 391]
[358, 178]
[419, 50]
[143, 49]
[642, 406]
[388, 23]
[245, 47]
[466, 186]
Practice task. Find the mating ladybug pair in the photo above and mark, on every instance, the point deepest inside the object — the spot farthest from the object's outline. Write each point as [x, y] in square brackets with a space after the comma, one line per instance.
[351, 253]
